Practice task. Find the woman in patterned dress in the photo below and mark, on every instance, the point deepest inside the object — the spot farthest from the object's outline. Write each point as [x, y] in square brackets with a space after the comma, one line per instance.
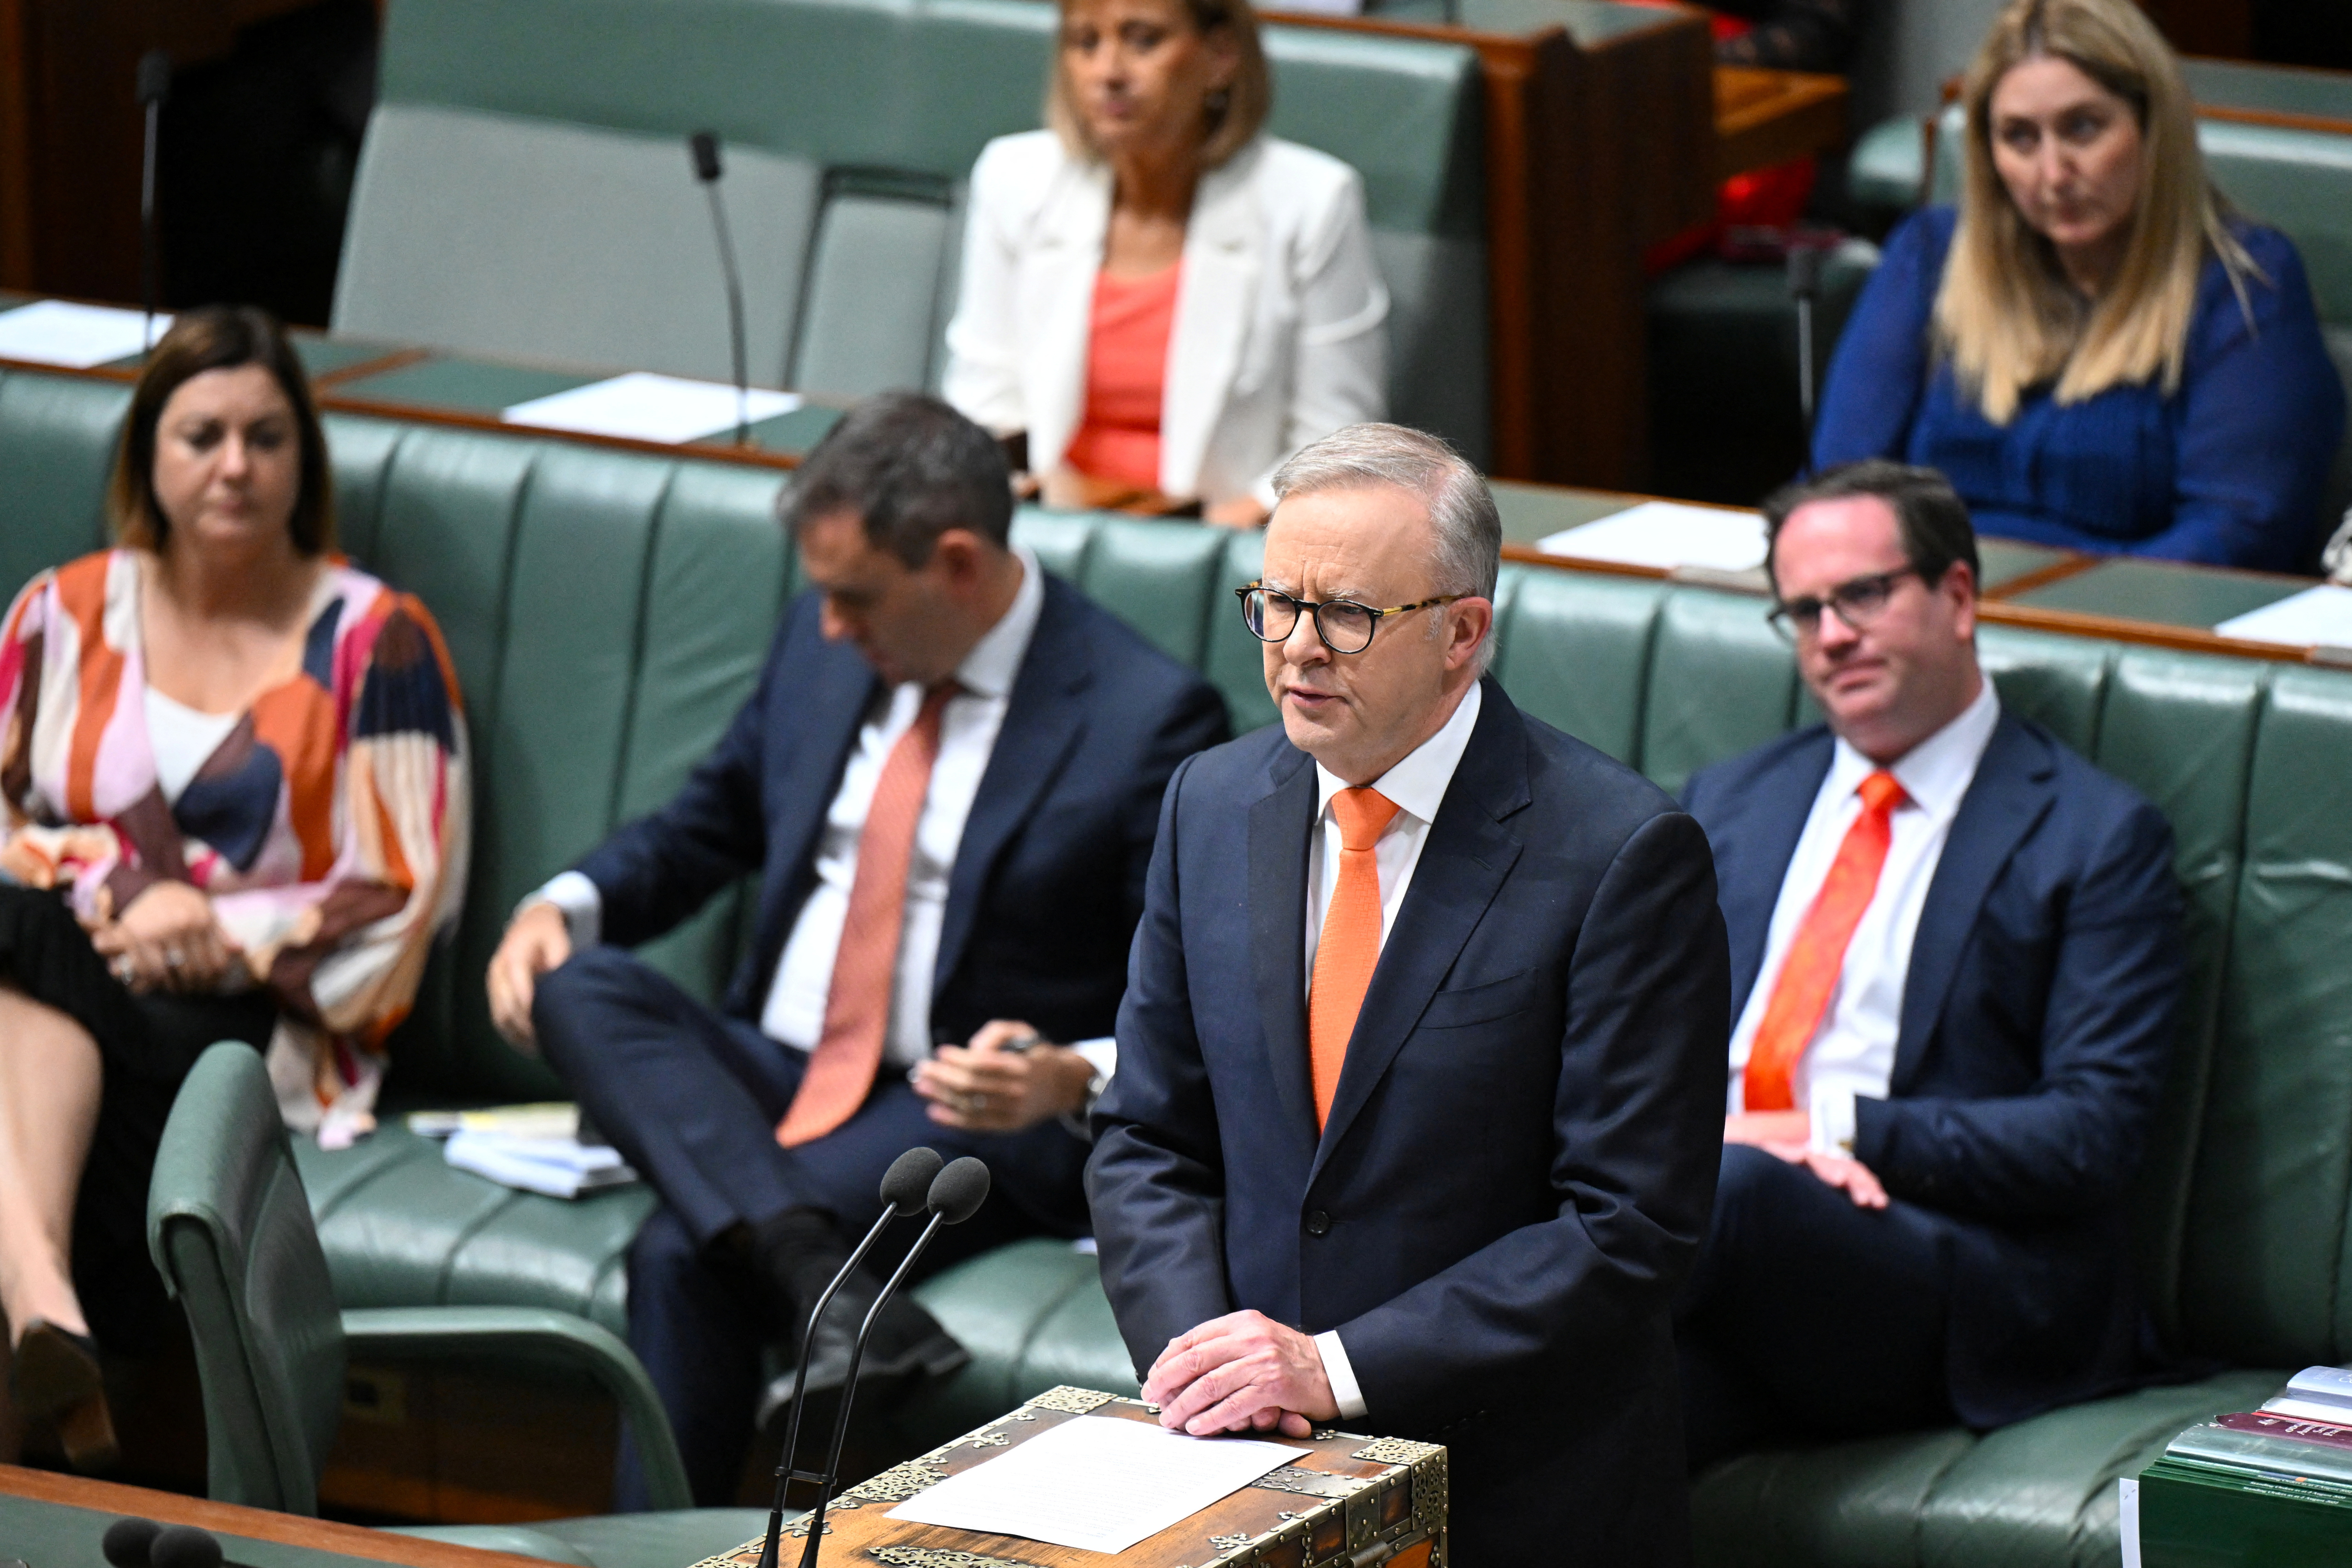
[232, 805]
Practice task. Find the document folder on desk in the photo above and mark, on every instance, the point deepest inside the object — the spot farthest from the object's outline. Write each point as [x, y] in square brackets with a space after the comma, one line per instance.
[1348, 1500]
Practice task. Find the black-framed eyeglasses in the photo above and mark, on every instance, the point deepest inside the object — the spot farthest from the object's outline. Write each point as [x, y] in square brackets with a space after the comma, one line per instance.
[1857, 604]
[1345, 625]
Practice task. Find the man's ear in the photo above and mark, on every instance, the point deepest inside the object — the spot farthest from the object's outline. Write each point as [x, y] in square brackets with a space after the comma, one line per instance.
[957, 555]
[1472, 622]
[1960, 582]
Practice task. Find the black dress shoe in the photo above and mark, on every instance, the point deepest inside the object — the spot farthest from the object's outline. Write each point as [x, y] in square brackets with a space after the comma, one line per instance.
[909, 1348]
[56, 1377]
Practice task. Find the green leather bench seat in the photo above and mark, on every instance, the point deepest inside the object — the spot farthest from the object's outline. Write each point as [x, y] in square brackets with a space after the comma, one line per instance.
[524, 188]
[607, 611]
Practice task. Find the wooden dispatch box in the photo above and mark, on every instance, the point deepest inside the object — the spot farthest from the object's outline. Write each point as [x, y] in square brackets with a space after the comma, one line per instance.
[1349, 1501]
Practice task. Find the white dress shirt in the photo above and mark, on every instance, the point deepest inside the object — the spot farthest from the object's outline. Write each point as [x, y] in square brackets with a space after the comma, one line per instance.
[1852, 1052]
[968, 724]
[1417, 786]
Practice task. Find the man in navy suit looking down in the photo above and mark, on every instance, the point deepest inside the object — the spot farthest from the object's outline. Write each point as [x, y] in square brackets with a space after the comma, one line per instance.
[1415, 1121]
[1956, 959]
[944, 794]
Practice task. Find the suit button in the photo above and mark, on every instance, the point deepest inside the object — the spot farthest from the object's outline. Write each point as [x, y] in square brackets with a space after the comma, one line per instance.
[1318, 1223]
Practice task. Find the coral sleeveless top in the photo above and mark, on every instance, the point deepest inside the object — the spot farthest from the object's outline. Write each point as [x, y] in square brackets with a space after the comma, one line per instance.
[1126, 369]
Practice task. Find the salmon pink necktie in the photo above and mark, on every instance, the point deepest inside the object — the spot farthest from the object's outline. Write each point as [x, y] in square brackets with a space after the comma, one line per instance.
[1809, 974]
[1350, 948]
[857, 1004]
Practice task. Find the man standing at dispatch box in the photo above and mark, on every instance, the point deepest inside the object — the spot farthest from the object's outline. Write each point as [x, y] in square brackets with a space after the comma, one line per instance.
[1956, 950]
[1415, 1121]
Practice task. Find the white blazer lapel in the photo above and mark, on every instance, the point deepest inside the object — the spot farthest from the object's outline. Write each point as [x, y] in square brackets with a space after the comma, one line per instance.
[1214, 303]
[1057, 291]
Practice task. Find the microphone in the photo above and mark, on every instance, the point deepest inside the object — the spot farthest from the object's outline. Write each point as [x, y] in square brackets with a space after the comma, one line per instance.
[704, 145]
[1804, 287]
[143, 1543]
[154, 86]
[905, 1188]
[955, 1196]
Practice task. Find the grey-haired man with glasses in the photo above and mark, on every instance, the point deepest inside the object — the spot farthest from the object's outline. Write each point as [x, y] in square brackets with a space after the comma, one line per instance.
[1414, 1125]
[1956, 957]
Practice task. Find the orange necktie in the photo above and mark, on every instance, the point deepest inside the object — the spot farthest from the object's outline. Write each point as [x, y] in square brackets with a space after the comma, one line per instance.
[1809, 972]
[1350, 948]
[857, 1004]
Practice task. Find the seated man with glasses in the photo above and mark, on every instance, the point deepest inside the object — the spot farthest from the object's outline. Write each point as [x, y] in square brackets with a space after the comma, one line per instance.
[1956, 961]
[1415, 1123]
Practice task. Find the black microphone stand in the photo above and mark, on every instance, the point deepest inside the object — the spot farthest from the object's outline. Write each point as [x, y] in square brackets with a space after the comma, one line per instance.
[1805, 286]
[154, 86]
[831, 1475]
[785, 1474]
[705, 145]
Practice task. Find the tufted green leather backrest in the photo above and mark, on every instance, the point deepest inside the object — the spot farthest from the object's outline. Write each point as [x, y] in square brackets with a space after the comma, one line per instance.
[230, 1230]
[525, 190]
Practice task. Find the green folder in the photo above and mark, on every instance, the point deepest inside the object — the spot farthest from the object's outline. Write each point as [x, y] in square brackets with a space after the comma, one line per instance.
[2225, 1498]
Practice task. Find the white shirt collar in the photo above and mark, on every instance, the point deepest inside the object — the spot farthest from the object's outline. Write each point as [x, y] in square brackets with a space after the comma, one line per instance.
[989, 669]
[1935, 773]
[1417, 783]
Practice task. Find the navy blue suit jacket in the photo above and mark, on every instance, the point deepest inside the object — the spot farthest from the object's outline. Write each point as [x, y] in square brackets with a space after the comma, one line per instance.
[1048, 879]
[1523, 1144]
[2037, 1014]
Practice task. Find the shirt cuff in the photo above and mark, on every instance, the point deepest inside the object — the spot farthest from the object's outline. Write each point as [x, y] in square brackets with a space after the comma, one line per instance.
[1102, 1055]
[582, 905]
[1832, 1112]
[1340, 1376]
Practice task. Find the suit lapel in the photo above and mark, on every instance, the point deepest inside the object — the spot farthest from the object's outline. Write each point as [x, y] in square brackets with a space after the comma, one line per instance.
[822, 726]
[1753, 846]
[2009, 793]
[1057, 293]
[1279, 822]
[1213, 317]
[1043, 721]
[1462, 864]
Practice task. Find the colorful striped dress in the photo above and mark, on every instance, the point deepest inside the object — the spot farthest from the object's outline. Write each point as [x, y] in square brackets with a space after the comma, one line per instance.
[329, 827]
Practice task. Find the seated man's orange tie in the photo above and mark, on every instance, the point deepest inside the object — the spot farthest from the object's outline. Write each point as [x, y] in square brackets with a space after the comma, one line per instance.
[857, 1005]
[1350, 948]
[1808, 976]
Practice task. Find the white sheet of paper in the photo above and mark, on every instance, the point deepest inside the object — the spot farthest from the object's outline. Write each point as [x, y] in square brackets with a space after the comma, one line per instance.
[646, 407]
[1094, 1482]
[2127, 1518]
[1666, 534]
[2321, 614]
[53, 331]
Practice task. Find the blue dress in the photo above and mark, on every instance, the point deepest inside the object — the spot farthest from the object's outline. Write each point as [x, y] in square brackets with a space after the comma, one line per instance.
[2229, 470]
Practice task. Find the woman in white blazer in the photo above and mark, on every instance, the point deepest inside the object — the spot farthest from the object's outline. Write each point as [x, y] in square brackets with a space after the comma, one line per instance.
[1154, 211]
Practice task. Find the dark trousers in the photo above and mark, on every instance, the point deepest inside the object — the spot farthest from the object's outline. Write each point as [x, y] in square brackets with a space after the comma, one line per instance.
[1808, 1318]
[692, 1099]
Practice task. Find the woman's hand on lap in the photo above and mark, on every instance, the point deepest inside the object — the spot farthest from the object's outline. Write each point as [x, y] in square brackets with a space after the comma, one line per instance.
[167, 939]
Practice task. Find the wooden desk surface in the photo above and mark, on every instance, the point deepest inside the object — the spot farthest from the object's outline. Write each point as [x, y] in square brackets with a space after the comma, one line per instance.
[2154, 603]
[56, 1522]
[1767, 117]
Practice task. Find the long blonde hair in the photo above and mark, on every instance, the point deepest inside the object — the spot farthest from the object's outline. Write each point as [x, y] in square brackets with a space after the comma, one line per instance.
[2005, 314]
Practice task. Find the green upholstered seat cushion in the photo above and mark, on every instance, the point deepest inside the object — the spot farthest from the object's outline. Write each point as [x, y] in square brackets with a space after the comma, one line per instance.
[400, 1227]
[2041, 1494]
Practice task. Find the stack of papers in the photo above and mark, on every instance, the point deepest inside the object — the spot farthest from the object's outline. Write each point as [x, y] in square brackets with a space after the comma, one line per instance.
[2315, 617]
[643, 407]
[2316, 1394]
[534, 1148]
[53, 331]
[554, 1167]
[1666, 534]
[544, 1118]
[1095, 1482]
